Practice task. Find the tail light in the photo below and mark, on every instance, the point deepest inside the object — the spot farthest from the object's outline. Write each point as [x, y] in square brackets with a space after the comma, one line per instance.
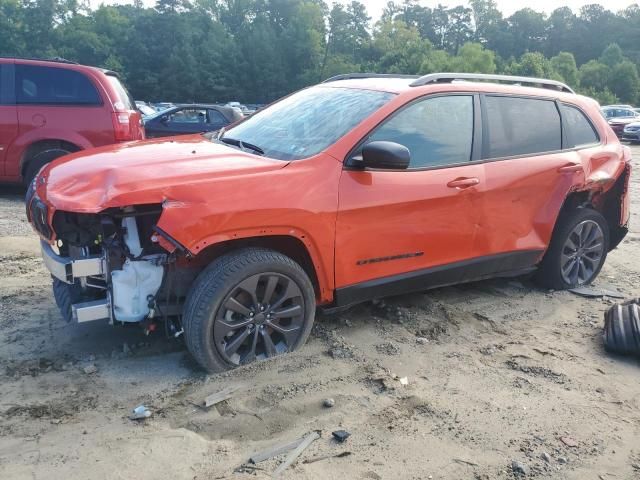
[128, 126]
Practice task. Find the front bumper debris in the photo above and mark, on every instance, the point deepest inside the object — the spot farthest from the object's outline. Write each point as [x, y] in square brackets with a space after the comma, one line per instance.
[67, 269]
[94, 310]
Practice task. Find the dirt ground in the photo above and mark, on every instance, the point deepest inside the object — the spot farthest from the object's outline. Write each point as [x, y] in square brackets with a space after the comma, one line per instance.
[498, 372]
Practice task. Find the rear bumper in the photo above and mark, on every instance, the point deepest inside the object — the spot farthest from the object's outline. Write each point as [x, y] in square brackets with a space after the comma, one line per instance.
[67, 269]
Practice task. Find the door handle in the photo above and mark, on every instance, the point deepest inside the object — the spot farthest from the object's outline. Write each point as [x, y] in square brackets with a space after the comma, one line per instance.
[571, 168]
[463, 182]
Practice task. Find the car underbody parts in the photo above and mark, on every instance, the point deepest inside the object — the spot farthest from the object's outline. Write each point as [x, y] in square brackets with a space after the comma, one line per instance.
[622, 328]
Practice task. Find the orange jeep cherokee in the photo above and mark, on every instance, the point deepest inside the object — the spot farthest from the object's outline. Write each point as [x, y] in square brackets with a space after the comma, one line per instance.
[361, 187]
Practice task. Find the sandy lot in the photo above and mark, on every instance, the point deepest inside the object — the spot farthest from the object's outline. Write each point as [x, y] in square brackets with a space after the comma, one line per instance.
[498, 371]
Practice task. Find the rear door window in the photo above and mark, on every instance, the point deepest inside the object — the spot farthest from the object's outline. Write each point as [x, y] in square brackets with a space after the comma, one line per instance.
[216, 118]
[578, 129]
[437, 131]
[37, 85]
[125, 100]
[520, 126]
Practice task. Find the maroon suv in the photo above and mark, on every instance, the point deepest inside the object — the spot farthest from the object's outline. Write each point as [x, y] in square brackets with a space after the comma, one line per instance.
[49, 108]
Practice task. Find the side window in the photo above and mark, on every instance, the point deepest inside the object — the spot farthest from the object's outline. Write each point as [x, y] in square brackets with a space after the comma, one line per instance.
[188, 115]
[216, 118]
[437, 131]
[521, 126]
[53, 86]
[578, 129]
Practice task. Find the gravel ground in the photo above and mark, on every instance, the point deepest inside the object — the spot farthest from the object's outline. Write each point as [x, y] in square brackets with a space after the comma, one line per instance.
[491, 380]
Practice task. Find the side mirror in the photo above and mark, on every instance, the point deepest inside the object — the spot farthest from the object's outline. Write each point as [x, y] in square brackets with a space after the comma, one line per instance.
[385, 155]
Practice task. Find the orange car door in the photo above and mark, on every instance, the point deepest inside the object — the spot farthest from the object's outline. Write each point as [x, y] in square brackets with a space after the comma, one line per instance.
[393, 226]
[530, 170]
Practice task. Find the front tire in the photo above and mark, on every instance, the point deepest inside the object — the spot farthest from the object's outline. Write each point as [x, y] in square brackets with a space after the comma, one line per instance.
[577, 251]
[245, 306]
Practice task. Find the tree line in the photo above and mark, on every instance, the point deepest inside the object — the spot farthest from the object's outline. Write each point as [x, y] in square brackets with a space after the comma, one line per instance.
[258, 50]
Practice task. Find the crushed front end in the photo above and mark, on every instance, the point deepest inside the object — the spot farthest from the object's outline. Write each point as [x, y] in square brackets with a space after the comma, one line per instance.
[109, 264]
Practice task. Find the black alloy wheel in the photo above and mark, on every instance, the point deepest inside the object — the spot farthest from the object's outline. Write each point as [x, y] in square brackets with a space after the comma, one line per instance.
[261, 317]
[248, 305]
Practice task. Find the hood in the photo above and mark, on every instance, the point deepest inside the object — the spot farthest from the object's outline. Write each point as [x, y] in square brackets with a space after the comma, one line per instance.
[144, 172]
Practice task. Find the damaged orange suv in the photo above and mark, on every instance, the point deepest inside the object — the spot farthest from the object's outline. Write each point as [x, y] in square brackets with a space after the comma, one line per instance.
[361, 187]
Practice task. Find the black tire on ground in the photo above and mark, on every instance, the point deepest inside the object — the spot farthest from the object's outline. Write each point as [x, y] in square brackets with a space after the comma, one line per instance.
[549, 273]
[39, 160]
[221, 312]
[622, 328]
[65, 296]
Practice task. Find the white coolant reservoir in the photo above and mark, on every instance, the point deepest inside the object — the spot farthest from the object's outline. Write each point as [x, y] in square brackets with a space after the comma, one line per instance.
[132, 287]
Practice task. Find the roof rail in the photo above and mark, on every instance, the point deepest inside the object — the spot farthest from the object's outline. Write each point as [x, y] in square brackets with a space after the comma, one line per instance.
[451, 77]
[53, 59]
[349, 76]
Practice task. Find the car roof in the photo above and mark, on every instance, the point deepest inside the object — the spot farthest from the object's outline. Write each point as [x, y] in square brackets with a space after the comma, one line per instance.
[401, 84]
[57, 61]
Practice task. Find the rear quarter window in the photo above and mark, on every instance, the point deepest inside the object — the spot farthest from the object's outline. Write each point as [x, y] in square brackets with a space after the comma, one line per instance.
[37, 85]
[521, 126]
[578, 129]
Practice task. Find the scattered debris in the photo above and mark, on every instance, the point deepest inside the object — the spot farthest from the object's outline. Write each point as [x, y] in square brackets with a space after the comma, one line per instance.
[562, 460]
[622, 328]
[422, 340]
[596, 292]
[325, 457]
[569, 442]
[464, 462]
[388, 348]
[275, 451]
[519, 468]
[308, 440]
[90, 369]
[537, 371]
[140, 413]
[546, 457]
[328, 402]
[341, 435]
[218, 397]
[404, 381]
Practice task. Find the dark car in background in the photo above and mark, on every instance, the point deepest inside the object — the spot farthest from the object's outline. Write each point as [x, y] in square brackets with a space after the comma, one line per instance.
[185, 119]
[618, 124]
[619, 116]
[49, 108]
[631, 132]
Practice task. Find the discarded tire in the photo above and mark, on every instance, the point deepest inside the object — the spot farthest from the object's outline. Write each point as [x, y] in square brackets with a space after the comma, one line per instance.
[622, 328]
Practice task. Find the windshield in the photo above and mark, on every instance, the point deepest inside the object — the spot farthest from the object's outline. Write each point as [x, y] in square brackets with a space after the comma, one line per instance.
[308, 121]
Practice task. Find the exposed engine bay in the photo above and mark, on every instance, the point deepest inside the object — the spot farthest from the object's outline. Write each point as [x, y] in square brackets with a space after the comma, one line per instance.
[124, 275]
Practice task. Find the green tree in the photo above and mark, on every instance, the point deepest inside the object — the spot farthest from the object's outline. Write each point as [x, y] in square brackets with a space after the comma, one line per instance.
[472, 57]
[564, 64]
[612, 55]
[399, 48]
[594, 75]
[624, 82]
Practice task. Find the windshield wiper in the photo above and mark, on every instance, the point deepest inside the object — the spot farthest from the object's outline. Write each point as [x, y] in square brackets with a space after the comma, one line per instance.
[243, 145]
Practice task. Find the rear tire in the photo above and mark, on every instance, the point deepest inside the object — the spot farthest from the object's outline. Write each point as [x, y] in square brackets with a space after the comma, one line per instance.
[577, 251]
[246, 306]
[40, 160]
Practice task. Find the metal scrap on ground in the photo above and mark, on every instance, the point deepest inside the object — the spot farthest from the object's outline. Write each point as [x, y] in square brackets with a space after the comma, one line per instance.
[275, 451]
[220, 396]
[590, 291]
[308, 440]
